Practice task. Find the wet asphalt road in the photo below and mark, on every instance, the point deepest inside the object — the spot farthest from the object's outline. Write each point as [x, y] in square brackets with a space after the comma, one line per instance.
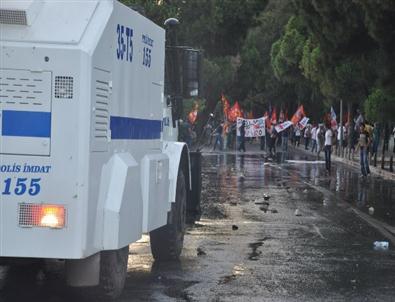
[254, 252]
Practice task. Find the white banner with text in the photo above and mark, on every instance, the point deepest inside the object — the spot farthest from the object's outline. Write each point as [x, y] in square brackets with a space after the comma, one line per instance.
[253, 127]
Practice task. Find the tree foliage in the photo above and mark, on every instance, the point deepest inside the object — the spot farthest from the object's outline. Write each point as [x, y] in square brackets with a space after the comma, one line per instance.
[217, 26]
[284, 52]
[258, 87]
[379, 106]
[287, 52]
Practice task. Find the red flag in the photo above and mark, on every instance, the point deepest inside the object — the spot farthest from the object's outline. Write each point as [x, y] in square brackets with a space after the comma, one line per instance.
[226, 105]
[235, 112]
[299, 114]
[273, 119]
[267, 120]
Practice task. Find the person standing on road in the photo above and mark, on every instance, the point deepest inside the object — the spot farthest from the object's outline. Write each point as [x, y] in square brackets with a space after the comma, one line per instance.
[242, 136]
[320, 139]
[263, 142]
[369, 130]
[307, 136]
[232, 134]
[218, 137]
[354, 138]
[297, 135]
[272, 144]
[375, 139]
[226, 131]
[386, 137]
[292, 134]
[279, 138]
[314, 139]
[341, 141]
[363, 145]
[207, 130]
[393, 133]
[328, 147]
[267, 136]
[285, 140]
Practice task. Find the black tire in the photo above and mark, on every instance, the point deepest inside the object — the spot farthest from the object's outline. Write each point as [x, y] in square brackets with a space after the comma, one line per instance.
[194, 211]
[167, 241]
[113, 270]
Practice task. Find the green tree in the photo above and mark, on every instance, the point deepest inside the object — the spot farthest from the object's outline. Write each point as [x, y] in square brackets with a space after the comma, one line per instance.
[219, 74]
[336, 54]
[256, 82]
[282, 52]
[379, 106]
[288, 54]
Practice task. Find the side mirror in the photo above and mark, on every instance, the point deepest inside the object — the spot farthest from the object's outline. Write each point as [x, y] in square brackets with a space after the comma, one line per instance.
[192, 69]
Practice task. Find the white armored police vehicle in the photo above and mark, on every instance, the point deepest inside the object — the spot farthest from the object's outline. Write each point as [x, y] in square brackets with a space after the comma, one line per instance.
[89, 158]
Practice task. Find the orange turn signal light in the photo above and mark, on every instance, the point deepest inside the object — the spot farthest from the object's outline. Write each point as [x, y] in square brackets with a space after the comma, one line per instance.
[42, 215]
[52, 216]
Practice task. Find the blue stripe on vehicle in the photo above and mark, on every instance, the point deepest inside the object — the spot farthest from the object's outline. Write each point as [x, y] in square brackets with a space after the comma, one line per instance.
[134, 128]
[26, 123]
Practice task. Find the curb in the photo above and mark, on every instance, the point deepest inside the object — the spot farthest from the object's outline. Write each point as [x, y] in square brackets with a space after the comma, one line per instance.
[374, 170]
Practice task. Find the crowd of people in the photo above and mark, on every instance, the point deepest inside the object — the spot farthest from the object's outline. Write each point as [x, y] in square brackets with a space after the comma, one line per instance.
[359, 137]
[226, 137]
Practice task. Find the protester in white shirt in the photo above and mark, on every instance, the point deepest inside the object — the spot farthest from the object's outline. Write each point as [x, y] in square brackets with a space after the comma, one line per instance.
[328, 147]
[344, 135]
[298, 133]
[320, 139]
[307, 136]
[314, 138]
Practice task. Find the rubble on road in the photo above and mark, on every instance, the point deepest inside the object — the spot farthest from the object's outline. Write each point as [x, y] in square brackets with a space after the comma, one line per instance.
[297, 213]
[200, 252]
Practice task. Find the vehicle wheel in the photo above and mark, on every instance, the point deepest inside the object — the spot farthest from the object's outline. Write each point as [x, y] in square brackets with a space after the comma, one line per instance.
[167, 241]
[113, 269]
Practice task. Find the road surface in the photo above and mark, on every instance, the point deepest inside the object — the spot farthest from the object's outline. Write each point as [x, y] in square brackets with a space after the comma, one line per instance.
[312, 242]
